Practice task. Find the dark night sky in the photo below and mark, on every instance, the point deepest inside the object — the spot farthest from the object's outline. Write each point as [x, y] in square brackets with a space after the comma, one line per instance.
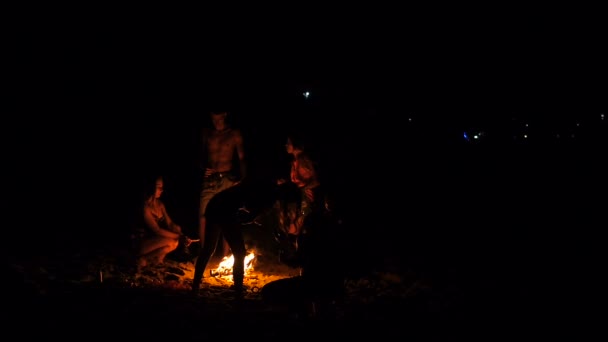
[99, 102]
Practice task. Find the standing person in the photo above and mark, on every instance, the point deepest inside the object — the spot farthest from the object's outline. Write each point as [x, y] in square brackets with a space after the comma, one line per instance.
[220, 145]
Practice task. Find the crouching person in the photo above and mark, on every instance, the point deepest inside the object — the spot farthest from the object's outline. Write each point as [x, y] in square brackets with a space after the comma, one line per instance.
[225, 216]
[159, 234]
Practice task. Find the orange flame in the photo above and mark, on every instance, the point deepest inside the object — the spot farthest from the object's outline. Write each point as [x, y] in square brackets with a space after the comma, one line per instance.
[225, 266]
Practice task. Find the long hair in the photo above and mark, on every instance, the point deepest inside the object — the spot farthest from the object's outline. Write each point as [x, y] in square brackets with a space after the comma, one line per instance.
[290, 196]
[149, 186]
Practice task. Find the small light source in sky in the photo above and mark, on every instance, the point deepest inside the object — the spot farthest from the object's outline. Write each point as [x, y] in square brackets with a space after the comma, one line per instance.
[602, 116]
[306, 94]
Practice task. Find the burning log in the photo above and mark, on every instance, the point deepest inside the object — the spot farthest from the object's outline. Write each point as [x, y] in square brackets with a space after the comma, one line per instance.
[225, 266]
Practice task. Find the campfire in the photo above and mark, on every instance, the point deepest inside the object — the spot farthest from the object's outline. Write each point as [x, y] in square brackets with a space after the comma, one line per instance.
[224, 269]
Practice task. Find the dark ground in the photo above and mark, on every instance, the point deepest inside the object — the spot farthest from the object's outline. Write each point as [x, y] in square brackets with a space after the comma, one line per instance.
[499, 239]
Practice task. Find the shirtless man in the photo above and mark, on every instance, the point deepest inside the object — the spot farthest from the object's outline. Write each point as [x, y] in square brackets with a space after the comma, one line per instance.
[219, 146]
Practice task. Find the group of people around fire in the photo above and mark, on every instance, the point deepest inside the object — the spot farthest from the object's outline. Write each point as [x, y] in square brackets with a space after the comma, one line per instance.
[307, 223]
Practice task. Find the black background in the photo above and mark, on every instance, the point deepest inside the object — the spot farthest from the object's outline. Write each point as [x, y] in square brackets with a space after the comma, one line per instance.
[100, 102]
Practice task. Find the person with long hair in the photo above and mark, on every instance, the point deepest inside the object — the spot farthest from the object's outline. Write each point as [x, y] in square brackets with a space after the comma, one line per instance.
[315, 230]
[160, 235]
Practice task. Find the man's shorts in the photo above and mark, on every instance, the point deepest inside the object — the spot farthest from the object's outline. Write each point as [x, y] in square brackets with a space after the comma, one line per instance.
[212, 185]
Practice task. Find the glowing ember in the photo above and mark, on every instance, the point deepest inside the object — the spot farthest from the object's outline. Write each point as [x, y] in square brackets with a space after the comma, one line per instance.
[225, 266]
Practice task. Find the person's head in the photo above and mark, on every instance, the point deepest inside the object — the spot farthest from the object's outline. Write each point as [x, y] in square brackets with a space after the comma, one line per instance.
[159, 186]
[289, 147]
[295, 143]
[308, 168]
[218, 119]
[155, 188]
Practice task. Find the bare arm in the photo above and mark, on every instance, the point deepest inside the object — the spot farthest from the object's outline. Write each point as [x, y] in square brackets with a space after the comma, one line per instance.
[153, 225]
[240, 150]
[203, 153]
[170, 223]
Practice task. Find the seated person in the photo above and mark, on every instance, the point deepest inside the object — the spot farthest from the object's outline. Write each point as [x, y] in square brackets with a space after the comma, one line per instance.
[300, 177]
[317, 232]
[160, 235]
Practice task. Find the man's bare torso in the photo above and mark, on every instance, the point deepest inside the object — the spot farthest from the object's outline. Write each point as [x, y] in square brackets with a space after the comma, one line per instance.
[220, 148]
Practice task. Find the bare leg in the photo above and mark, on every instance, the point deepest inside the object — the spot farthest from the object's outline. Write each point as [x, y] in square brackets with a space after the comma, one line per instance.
[234, 236]
[207, 250]
[225, 247]
[238, 272]
[155, 249]
[158, 256]
[201, 229]
[201, 233]
[153, 243]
